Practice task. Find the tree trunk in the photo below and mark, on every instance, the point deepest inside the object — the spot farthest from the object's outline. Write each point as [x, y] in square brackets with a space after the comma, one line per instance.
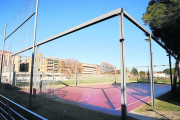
[175, 79]
[179, 76]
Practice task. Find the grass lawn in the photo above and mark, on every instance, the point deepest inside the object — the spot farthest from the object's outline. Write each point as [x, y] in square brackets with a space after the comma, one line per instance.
[166, 107]
[54, 110]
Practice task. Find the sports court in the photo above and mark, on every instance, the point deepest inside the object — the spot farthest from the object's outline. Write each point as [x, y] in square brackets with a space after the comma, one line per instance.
[101, 97]
[107, 97]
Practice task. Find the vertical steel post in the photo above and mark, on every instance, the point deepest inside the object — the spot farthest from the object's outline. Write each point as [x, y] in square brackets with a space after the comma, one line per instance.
[123, 67]
[106, 74]
[76, 73]
[53, 71]
[35, 71]
[32, 62]
[10, 70]
[151, 70]
[2, 56]
[148, 74]
[99, 74]
[13, 82]
[115, 74]
[39, 73]
[170, 70]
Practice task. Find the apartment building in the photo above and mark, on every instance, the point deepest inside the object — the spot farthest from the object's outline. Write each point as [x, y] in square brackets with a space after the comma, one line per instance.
[42, 64]
[7, 59]
[97, 69]
[49, 64]
[90, 69]
[52, 64]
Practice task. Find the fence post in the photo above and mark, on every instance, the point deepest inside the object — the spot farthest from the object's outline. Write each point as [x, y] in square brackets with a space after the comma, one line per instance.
[99, 74]
[115, 74]
[85, 79]
[148, 75]
[10, 70]
[39, 73]
[35, 71]
[14, 74]
[76, 73]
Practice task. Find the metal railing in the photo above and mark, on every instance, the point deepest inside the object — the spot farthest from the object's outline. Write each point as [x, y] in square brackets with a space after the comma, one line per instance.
[8, 113]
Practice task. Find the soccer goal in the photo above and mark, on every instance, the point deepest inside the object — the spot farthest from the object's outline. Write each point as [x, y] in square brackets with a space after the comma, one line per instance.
[50, 88]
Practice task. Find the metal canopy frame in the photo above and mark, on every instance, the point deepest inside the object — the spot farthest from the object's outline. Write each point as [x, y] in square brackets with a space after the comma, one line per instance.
[118, 12]
[96, 20]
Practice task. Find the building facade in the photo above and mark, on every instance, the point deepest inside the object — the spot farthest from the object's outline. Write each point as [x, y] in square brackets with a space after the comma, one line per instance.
[7, 61]
[45, 65]
[90, 69]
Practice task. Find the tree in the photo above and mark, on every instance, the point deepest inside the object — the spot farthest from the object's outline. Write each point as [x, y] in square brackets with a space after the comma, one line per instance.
[163, 18]
[141, 73]
[134, 71]
[107, 68]
[167, 71]
[68, 67]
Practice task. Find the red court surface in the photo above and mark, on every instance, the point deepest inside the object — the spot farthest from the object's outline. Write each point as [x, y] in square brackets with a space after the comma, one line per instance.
[107, 97]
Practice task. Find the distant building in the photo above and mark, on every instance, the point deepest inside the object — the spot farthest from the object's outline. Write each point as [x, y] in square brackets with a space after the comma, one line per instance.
[41, 63]
[90, 68]
[7, 59]
[159, 75]
[52, 64]
[49, 64]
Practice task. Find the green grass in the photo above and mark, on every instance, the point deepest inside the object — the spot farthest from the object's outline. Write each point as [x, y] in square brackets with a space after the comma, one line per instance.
[166, 107]
[157, 80]
[93, 78]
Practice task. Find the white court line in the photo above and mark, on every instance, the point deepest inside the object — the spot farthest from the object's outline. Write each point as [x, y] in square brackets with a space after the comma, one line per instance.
[101, 100]
[86, 98]
[138, 100]
[134, 102]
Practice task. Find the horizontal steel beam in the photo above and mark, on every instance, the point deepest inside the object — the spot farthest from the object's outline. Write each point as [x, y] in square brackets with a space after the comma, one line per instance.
[39, 57]
[130, 18]
[76, 28]
[95, 21]
[137, 66]
[148, 66]
[83, 25]
[26, 49]
[20, 25]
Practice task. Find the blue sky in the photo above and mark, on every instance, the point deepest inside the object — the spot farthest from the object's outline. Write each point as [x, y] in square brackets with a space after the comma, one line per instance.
[95, 44]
